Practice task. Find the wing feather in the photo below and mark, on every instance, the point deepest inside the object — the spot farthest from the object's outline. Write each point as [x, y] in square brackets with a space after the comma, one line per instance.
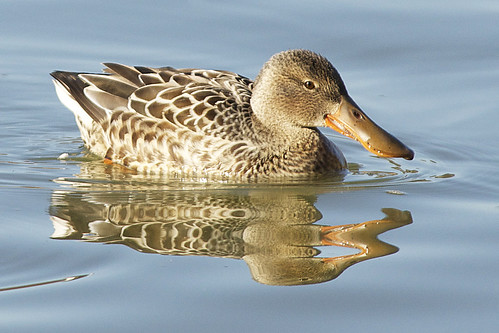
[109, 83]
[167, 115]
[127, 72]
[208, 102]
[104, 99]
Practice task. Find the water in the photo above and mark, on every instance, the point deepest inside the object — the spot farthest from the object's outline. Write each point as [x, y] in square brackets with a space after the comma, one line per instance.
[86, 246]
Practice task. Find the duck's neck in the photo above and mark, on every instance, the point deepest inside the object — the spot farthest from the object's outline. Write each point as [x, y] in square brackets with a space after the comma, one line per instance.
[278, 135]
[298, 150]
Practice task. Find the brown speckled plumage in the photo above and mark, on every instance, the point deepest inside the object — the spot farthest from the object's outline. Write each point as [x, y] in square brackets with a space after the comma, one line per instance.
[210, 123]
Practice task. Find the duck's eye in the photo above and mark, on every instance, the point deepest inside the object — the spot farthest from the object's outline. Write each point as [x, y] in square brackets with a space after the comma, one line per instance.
[309, 84]
[357, 115]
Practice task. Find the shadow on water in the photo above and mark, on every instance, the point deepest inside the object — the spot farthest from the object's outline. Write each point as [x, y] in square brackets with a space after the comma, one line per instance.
[271, 228]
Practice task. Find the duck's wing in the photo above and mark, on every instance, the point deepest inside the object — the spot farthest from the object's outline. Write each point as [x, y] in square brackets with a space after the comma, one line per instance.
[208, 102]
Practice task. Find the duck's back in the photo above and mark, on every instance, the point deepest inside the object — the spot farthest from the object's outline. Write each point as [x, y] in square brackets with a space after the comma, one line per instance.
[189, 121]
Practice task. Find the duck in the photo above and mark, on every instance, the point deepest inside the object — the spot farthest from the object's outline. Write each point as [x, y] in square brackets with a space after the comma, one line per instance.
[216, 123]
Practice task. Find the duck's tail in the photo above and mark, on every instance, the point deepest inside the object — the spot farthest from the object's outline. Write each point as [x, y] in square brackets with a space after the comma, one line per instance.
[70, 88]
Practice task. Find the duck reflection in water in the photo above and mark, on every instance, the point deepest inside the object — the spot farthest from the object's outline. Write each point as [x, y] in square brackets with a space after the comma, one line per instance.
[272, 231]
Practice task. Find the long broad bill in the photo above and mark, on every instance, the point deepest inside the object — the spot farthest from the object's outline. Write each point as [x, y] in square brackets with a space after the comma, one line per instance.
[352, 122]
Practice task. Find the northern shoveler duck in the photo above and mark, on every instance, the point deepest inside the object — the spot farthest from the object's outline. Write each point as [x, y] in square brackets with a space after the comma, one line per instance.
[217, 123]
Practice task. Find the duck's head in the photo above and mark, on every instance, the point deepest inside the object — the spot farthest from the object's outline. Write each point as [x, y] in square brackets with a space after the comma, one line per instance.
[299, 88]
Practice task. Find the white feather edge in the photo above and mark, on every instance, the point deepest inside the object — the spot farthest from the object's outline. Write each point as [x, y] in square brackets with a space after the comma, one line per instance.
[69, 102]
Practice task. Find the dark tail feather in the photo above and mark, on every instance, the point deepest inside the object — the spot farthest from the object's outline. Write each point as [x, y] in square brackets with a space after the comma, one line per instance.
[75, 85]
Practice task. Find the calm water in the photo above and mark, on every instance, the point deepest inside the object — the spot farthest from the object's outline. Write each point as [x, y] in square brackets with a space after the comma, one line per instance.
[85, 246]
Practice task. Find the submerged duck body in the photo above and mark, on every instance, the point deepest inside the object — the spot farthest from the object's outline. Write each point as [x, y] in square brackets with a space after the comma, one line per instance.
[209, 123]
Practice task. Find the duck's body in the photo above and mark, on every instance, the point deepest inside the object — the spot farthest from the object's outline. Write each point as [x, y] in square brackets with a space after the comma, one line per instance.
[215, 123]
